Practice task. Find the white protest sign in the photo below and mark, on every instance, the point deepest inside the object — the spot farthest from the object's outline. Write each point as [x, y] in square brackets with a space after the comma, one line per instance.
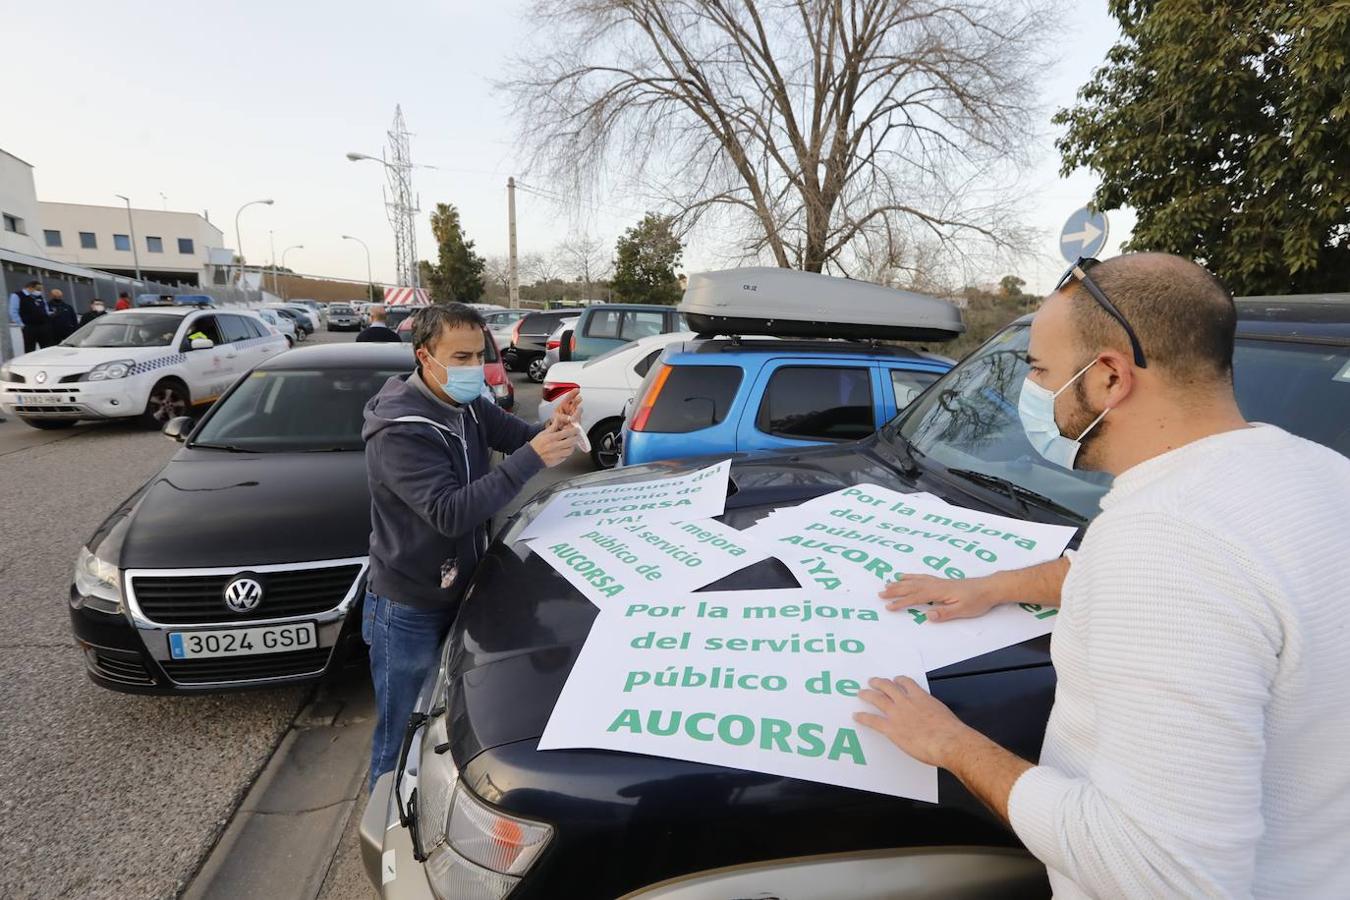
[944, 643]
[631, 562]
[694, 495]
[869, 536]
[759, 680]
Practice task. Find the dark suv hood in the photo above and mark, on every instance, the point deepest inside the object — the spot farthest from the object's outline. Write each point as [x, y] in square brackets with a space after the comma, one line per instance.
[210, 508]
[522, 624]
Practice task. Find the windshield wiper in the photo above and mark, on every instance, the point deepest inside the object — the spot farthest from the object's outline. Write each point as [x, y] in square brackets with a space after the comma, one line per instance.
[229, 448]
[1018, 494]
[906, 449]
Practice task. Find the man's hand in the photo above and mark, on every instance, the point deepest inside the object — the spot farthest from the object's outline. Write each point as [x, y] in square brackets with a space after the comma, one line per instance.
[567, 410]
[555, 443]
[949, 598]
[913, 719]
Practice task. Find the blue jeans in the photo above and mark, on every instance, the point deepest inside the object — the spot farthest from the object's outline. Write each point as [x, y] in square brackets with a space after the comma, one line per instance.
[404, 646]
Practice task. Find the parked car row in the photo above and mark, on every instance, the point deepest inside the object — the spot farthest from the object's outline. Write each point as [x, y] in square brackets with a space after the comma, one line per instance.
[167, 600]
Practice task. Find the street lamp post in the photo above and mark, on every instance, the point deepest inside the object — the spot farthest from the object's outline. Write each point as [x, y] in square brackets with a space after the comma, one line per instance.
[135, 254]
[369, 282]
[405, 205]
[283, 261]
[238, 242]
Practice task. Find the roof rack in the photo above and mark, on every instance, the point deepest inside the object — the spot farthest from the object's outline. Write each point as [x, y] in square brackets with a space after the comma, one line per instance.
[789, 303]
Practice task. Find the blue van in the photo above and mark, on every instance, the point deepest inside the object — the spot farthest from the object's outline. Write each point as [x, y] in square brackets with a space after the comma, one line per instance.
[723, 395]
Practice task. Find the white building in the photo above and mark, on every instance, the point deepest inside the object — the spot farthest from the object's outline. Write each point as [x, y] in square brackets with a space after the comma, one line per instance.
[19, 229]
[167, 246]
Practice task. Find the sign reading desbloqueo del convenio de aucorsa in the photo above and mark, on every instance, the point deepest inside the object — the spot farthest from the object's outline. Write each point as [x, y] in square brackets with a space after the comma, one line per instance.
[700, 494]
[616, 563]
[760, 680]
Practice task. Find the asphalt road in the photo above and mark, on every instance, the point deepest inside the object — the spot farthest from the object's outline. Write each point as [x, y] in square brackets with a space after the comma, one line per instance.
[105, 794]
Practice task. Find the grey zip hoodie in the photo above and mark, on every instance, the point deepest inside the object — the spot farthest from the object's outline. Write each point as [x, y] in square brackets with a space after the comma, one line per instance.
[432, 488]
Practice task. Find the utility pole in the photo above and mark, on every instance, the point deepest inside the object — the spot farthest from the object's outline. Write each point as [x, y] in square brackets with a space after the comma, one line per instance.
[131, 229]
[512, 270]
[272, 240]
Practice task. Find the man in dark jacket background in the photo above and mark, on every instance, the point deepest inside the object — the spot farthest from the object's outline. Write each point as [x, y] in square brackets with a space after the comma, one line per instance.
[63, 319]
[377, 330]
[35, 315]
[428, 438]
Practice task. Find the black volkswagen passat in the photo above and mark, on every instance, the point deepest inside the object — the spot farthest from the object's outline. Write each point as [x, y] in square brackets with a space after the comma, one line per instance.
[242, 563]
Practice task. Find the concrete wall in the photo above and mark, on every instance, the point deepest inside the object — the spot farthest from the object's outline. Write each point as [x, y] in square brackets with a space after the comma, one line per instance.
[19, 199]
[70, 219]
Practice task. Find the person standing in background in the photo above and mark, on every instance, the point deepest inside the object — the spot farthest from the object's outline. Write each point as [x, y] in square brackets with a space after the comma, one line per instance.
[34, 316]
[123, 301]
[377, 330]
[61, 318]
[96, 309]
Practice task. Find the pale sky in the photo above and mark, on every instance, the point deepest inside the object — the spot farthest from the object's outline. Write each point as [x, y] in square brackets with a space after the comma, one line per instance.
[216, 105]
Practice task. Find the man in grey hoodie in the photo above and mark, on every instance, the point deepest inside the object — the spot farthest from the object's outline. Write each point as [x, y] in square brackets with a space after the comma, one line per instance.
[432, 491]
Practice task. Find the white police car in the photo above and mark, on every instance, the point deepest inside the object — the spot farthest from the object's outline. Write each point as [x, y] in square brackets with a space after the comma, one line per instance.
[153, 363]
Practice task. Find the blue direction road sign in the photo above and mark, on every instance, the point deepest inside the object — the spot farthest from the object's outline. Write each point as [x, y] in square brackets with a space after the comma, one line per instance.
[1084, 234]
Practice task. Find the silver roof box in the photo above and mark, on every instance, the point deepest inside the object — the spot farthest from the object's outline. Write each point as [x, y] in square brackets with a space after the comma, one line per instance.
[789, 303]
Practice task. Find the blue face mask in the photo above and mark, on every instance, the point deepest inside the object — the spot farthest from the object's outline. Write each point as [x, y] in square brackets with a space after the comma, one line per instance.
[1036, 407]
[462, 384]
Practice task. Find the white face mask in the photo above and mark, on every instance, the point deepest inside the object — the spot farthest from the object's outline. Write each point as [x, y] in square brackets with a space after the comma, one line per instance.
[1036, 408]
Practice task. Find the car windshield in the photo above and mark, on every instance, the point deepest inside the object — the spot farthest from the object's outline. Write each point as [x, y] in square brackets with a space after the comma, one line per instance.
[969, 421]
[293, 410]
[126, 330]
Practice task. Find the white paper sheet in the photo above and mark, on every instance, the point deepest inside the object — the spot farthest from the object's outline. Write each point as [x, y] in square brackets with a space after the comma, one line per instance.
[663, 665]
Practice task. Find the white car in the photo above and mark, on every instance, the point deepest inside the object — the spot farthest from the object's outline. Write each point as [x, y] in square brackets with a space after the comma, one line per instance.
[501, 322]
[279, 322]
[607, 382]
[311, 317]
[154, 363]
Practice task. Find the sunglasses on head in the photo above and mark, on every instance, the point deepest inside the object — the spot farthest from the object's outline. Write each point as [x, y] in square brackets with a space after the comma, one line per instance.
[1079, 271]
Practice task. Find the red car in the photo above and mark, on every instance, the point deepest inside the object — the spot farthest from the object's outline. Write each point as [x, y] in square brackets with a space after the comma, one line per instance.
[494, 373]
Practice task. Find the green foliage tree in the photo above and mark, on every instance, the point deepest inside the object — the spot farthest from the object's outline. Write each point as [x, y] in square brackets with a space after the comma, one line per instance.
[375, 293]
[1011, 286]
[458, 271]
[645, 259]
[1226, 126]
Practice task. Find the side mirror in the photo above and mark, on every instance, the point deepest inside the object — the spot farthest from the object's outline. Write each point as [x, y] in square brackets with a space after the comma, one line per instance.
[179, 427]
[565, 348]
[202, 344]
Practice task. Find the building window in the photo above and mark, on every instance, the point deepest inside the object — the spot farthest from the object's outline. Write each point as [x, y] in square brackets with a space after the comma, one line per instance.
[121, 242]
[14, 224]
[88, 241]
[154, 244]
[185, 247]
[52, 237]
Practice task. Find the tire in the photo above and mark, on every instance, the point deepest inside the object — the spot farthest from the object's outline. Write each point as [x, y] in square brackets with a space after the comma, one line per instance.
[538, 371]
[605, 438]
[510, 361]
[168, 399]
[47, 424]
[290, 341]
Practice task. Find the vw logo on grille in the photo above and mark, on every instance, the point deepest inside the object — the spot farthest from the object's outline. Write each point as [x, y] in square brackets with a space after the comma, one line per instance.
[243, 594]
[41, 378]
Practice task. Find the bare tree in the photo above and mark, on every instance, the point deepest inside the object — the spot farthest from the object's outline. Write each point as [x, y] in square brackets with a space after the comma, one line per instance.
[587, 260]
[541, 267]
[808, 124]
[497, 272]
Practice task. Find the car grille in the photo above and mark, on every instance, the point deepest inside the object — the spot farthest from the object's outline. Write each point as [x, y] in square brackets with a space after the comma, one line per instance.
[247, 668]
[123, 671]
[196, 599]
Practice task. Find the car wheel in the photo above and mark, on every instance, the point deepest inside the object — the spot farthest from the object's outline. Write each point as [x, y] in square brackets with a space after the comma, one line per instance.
[168, 400]
[290, 341]
[538, 370]
[606, 439]
[48, 424]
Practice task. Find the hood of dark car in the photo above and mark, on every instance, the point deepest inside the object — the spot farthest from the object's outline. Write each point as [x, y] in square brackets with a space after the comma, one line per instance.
[522, 624]
[213, 508]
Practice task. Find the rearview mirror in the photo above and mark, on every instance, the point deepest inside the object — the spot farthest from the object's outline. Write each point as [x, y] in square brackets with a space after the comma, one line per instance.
[179, 427]
[202, 343]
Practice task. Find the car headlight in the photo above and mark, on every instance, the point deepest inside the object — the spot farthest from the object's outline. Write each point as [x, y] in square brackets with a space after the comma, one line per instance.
[473, 851]
[6, 374]
[110, 371]
[97, 581]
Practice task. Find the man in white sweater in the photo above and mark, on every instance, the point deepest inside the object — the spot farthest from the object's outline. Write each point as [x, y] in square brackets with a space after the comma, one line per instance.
[1199, 743]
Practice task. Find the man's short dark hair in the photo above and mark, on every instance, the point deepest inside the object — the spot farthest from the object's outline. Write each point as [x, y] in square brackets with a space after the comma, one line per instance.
[124, 294]
[32, 284]
[429, 321]
[1183, 314]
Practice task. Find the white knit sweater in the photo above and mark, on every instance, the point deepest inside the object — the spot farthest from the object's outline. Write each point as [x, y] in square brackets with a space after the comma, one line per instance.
[1200, 738]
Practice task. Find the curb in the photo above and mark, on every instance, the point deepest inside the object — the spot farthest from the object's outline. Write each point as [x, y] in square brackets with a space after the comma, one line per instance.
[282, 839]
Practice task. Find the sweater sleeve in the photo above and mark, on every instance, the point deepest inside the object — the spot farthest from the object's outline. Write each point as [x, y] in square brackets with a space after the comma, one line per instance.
[412, 463]
[1182, 651]
[505, 431]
